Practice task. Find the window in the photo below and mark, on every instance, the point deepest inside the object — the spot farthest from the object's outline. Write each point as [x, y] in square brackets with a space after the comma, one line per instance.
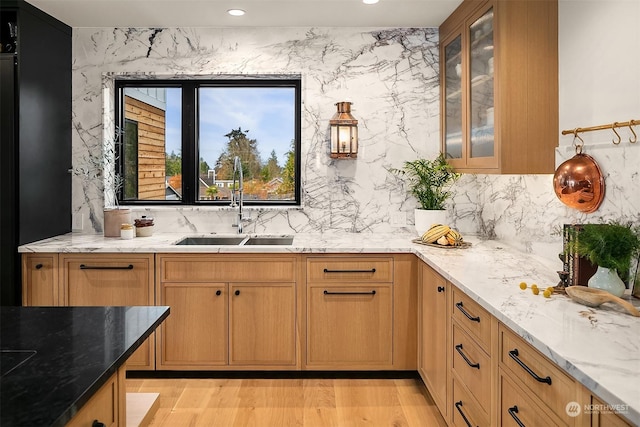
[180, 138]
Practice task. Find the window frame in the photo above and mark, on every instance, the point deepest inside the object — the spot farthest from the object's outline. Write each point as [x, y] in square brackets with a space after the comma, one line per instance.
[190, 129]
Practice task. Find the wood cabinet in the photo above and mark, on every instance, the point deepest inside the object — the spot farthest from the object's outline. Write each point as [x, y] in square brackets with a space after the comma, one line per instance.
[499, 86]
[533, 384]
[434, 337]
[472, 364]
[361, 312]
[225, 315]
[106, 406]
[349, 312]
[40, 279]
[110, 279]
[601, 414]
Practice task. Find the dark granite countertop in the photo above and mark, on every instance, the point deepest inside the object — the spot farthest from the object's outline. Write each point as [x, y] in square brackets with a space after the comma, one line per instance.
[53, 359]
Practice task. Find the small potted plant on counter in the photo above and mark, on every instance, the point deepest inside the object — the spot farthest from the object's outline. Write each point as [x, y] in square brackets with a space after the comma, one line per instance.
[430, 183]
[611, 247]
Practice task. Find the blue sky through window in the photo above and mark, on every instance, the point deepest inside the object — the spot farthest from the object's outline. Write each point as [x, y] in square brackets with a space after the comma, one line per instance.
[267, 113]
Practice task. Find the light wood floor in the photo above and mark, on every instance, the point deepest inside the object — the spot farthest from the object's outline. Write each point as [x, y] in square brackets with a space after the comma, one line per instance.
[290, 402]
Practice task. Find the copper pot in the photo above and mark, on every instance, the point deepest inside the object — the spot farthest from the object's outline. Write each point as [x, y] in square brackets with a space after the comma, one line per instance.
[579, 184]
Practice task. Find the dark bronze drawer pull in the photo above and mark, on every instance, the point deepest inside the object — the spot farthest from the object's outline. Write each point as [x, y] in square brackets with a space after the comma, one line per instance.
[326, 292]
[440, 288]
[326, 270]
[237, 292]
[513, 411]
[464, 417]
[218, 292]
[39, 266]
[105, 267]
[470, 317]
[514, 355]
[459, 350]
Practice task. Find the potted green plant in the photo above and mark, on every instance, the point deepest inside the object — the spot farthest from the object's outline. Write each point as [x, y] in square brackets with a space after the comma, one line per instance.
[429, 181]
[611, 247]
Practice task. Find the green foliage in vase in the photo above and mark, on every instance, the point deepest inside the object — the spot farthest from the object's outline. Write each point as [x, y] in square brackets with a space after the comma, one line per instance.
[429, 181]
[609, 245]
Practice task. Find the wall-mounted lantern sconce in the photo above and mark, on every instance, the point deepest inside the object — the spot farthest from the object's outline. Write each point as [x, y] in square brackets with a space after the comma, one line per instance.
[344, 133]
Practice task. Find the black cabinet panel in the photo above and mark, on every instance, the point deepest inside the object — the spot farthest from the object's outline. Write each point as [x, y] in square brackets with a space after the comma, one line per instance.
[37, 132]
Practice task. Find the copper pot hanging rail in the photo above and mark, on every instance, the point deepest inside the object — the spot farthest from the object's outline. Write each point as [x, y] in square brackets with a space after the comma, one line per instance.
[611, 126]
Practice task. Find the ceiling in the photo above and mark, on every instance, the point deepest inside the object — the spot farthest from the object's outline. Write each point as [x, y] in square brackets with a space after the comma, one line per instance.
[259, 13]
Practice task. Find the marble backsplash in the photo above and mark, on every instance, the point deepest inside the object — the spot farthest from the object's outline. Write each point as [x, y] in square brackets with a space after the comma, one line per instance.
[390, 75]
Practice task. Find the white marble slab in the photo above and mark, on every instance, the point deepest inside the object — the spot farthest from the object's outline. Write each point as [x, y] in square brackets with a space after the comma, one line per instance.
[598, 347]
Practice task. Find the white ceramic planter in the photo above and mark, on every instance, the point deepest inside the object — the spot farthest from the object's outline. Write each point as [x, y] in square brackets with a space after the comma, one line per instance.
[608, 280]
[426, 218]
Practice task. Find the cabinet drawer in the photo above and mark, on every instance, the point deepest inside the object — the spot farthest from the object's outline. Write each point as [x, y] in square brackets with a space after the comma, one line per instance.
[519, 405]
[538, 374]
[465, 411]
[472, 318]
[350, 269]
[473, 367]
[350, 327]
[226, 268]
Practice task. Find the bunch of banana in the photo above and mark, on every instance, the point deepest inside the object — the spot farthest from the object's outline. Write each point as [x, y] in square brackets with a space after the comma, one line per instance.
[442, 235]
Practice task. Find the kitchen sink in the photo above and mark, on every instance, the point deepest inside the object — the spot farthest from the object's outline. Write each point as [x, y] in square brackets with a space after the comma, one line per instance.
[236, 241]
[263, 241]
[213, 241]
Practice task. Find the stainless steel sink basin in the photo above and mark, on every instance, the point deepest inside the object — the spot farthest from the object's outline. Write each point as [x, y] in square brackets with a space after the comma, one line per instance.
[213, 241]
[236, 241]
[270, 241]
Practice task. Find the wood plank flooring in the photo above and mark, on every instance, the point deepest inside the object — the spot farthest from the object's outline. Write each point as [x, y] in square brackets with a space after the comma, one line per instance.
[290, 402]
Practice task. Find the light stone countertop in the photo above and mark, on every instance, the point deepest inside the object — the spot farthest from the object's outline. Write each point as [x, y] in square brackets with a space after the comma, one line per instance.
[599, 347]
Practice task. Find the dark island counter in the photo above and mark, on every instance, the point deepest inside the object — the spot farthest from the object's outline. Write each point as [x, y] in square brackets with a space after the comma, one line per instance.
[54, 359]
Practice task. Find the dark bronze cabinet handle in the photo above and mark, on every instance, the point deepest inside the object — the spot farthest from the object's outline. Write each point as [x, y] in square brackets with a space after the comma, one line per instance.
[237, 292]
[514, 355]
[464, 417]
[326, 270]
[349, 293]
[105, 267]
[218, 292]
[39, 266]
[440, 288]
[459, 350]
[466, 313]
[513, 411]
[97, 423]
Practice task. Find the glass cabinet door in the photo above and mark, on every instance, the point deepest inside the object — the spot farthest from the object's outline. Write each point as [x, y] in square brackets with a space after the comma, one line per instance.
[481, 102]
[452, 80]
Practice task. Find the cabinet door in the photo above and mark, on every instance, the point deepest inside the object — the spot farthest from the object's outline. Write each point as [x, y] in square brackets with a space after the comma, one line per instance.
[433, 336]
[350, 326]
[102, 407]
[453, 71]
[119, 280]
[602, 416]
[481, 148]
[262, 324]
[40, 280]
[194, 336]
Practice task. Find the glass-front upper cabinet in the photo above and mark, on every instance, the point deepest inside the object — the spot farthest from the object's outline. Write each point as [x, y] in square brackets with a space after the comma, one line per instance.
[499, 86]
[481, 135]
[452, 114]
[468, 91]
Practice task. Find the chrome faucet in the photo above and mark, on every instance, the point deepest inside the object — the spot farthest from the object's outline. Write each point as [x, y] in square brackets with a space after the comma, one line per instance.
[237, 200]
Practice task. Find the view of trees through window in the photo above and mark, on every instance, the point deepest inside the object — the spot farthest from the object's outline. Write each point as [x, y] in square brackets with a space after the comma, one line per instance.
[259, 122]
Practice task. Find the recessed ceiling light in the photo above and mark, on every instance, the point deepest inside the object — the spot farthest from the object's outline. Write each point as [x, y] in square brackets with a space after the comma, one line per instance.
[235, 12]
[369, 1]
